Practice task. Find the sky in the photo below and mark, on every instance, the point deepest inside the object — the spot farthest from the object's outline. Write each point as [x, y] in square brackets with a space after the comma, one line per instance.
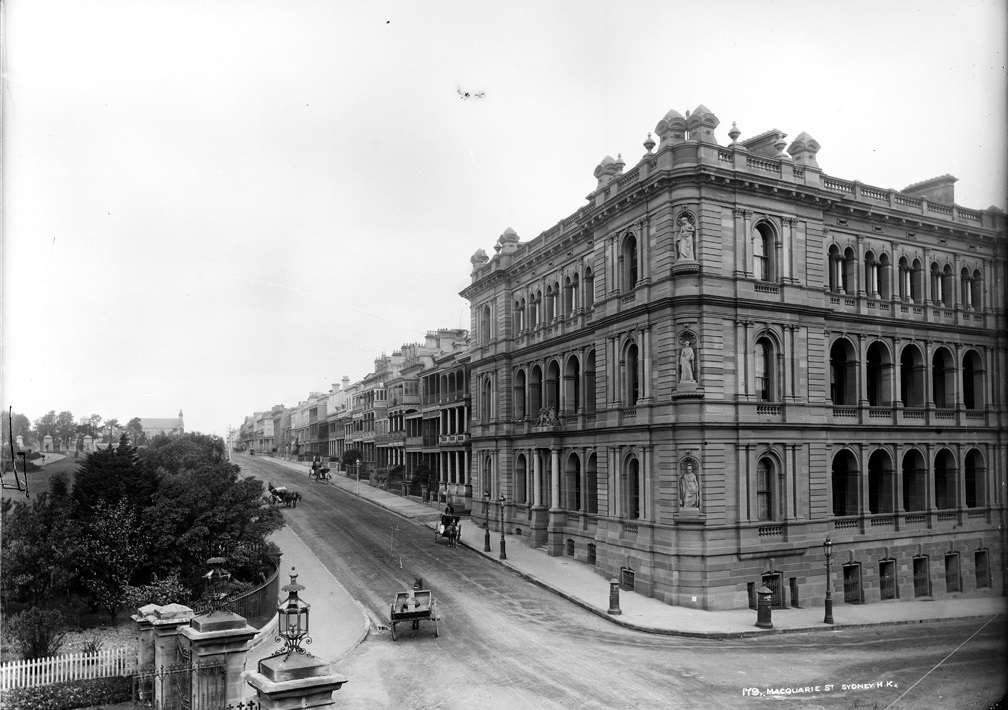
[217, 207]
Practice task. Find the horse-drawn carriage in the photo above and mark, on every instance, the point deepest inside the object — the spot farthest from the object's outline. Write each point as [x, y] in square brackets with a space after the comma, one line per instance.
[414, 606]
[450, 527]
[319, 471]
[282, 494]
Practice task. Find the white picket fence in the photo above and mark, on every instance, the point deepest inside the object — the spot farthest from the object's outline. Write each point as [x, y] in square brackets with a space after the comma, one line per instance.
[75, 666]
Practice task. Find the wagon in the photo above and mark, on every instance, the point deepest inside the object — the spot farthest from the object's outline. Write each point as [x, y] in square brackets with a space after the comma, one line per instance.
[450, 528]
[423, 608]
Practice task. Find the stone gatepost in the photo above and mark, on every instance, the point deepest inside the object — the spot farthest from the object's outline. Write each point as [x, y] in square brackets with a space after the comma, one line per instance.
[143, 621]
[294, 681]
[219, 637]
[166, 621]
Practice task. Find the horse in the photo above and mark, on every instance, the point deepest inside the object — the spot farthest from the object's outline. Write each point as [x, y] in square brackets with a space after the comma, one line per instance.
[453, 531]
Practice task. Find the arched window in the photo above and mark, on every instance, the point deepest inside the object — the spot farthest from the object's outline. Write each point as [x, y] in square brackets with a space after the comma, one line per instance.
[575, 292]
[589, 384]
[535, 391]
[871, 274]
[972, 381]
[976, 477]
[917, 282]
[632, 489]
[884, 284]
[948, 286]
[914, 482]
[519, 395]
[591, 484]
[764, 368]
[966, 289]
[488, 482]
[568, 306]
[843, 373]
[905, 289]
[589, 289]
[536, 303]
[878, 375]
[552, 392]
[486, 400]
[629, 257]
[835, 269]
[550, 304]
[881, 484]
[631, 377]
[572, 483]
[485, 326]
[936, 284]
[850, 271]
[845, 484]
[912, 377]
[521, 480]
[765, 489]
[976, 291]
[942, 379]
[572, 385]
[519, 316]
[764, 268]
[945, 480]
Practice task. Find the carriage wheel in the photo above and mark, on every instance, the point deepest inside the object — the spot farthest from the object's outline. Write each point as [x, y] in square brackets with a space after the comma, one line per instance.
[435, 629]
[393, 631]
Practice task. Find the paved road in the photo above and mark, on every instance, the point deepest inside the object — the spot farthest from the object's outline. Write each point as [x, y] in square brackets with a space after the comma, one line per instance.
[505, 643]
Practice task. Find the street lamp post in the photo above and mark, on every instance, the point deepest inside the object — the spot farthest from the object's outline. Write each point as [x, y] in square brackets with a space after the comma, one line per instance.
[486, 521]
[292, 621]
[503, 550]
[358, 476]
[828, 549]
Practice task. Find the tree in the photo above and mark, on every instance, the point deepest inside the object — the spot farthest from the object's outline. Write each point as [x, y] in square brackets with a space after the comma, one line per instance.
[113, 548]
[45, 425]
[39, 545]
[111, 475]
[113, 427]
[136, 433]
[351, 457]
[37, 633]
[64, 426]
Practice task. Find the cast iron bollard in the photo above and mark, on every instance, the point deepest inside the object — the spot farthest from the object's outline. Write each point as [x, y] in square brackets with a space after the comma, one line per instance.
[614, 597]
[763, 608]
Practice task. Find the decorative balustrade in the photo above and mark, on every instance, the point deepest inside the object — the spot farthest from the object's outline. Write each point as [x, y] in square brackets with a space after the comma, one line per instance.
[763, 287]
[630, 528]
[940, 209]
[913, 413]
[879, 413]
[976, 514]
[883, 521]
[771, 530]
[772, 410]
[848, 523]
[770, 166]
[845, 412]
[904, 201]
[724, 156]
[838, 185]
[874, 193]
[948, 516]
[915, 518]
[946, 414]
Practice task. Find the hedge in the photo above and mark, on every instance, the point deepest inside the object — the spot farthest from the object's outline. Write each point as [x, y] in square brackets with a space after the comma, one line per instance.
[70, 695]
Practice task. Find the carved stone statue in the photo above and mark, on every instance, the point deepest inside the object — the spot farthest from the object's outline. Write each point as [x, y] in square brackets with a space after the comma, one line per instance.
[684, 241]
[689, 488]
[686, 357]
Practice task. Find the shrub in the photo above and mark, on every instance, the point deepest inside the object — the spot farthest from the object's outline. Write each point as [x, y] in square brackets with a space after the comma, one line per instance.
[37, 633]
[70, 695]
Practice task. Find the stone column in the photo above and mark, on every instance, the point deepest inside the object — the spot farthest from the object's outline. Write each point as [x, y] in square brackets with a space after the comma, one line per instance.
[220, 637]
[166, 622]
[554, 479]
[295, 682]
[536, 480]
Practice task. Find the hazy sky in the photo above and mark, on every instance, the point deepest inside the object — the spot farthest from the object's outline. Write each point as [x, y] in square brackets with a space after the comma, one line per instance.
[221, 206]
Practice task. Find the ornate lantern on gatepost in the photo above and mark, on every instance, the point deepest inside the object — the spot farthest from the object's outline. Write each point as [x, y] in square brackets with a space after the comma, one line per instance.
[218, 583]
[293, 619]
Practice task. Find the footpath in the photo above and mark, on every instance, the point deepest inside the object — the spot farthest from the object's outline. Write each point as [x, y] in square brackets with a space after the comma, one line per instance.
[339, 624]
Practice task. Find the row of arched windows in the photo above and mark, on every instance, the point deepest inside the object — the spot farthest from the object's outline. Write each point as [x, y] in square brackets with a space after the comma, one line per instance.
[953, 487]
[915, 383]
[559, 301]
[565, 389]
[914, 283]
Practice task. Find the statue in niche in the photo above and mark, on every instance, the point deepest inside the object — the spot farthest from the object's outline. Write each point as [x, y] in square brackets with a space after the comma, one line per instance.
[684, 241]
[689, 487]
[687, 373]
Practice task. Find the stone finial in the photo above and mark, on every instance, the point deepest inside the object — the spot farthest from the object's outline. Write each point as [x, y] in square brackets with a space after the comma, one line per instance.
[734, 133]
[779, 145]
[672, 128]
[478, 258]
[701, 124]
[803, 150]
[508, 241]
[649, 144]
[606, 170]
[619, 163]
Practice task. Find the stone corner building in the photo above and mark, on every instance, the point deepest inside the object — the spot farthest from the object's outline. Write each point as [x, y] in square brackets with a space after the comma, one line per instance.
[727, 356]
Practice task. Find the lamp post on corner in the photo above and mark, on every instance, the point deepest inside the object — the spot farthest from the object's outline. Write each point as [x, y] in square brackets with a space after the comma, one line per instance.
[828, 549]
[486, 521]
[358, 477]
[503, 549]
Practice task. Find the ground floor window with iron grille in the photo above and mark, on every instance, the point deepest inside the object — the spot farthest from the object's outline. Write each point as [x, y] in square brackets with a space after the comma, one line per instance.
[852, 592]
[922, 577]
[980, 565]
[627, 578]
[887, 579]
[952, 578]
[774, 583]
[591, 554]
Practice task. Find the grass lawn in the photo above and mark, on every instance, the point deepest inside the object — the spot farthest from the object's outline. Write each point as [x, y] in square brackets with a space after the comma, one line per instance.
[38, 479]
